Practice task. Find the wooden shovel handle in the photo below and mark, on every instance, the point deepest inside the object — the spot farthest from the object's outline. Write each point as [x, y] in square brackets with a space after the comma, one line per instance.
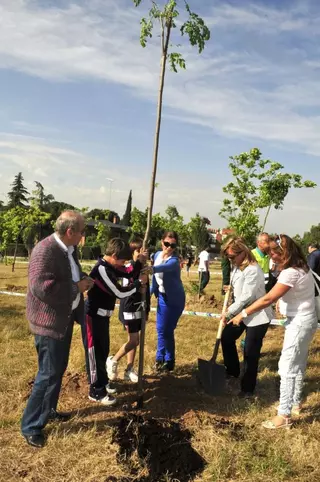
[221, 326]
[224, 309]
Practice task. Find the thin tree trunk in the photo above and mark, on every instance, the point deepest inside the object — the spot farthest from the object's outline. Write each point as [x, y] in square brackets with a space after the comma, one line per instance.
[151, 200]
[266, 217]
[15, 254]
[156, 138]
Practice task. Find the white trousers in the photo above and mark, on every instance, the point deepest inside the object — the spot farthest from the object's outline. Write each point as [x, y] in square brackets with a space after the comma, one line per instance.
[299, 331]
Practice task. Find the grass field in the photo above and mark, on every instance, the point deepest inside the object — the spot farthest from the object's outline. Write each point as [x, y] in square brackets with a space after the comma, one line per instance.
[225, 431]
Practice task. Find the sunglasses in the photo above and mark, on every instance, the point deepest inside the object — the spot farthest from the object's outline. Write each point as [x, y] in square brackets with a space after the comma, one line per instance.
[278, 241]
[233, 257]
[169, 245]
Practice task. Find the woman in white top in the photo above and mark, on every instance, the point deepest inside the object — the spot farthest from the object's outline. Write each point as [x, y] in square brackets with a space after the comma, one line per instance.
[295, 292]
[248, 283]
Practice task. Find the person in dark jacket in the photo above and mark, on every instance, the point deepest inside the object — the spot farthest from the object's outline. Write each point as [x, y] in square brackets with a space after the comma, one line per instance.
[168, 289]
[54, 302]
[99, 308]
[226, 271]
[130, 315]
[313, 260]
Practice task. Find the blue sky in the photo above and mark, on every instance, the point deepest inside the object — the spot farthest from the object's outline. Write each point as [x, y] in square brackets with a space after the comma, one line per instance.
[78, 102]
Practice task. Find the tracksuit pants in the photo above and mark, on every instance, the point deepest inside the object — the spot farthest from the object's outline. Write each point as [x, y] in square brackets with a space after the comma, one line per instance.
[98, 352]
[252, 349]
[299, 331]
[167, 319]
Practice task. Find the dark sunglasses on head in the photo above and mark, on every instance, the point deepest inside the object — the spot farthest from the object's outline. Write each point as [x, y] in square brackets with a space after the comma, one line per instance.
[169, 245]
[278, 241]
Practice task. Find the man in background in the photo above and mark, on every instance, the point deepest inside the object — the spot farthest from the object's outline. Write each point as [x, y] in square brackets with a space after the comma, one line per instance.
[54, 302]
[203, 269]
[314, 261]
[261, 254]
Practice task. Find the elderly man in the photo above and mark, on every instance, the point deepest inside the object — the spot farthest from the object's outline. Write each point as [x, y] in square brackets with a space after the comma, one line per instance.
[261, 254]
[54, 301]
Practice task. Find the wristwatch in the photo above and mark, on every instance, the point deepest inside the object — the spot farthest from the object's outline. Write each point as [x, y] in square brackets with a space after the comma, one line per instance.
[244, 314]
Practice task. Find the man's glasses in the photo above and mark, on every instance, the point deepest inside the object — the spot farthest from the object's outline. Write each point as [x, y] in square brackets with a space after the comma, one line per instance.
[169, 245]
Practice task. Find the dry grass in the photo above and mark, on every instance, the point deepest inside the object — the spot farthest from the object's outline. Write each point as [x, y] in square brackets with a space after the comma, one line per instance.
[81, 450]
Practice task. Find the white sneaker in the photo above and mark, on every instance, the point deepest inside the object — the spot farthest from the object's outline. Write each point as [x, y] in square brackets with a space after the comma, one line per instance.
[131, 375]
[108, 400]
[112, 368]
[111, 390]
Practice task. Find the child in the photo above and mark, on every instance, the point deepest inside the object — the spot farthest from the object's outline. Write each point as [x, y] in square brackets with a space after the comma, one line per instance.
[130, 314]
[100, 305]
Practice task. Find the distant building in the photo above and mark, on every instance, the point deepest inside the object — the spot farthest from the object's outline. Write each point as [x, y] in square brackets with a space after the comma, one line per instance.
[117, 230]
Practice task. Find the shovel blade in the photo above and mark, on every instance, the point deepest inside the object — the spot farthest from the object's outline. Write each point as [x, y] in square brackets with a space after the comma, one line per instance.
[212, 377]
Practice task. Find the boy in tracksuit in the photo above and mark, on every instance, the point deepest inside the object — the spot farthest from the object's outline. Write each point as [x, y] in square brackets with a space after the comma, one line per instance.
[99, 307]
[130, 314]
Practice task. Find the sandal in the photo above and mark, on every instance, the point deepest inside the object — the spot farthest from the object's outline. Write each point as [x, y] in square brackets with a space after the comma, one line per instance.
[270, 424]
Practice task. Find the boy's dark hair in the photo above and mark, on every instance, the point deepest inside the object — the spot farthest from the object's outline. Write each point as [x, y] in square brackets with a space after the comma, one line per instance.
[118, 248]
[313, 245]
[171, 234]
[136, 243]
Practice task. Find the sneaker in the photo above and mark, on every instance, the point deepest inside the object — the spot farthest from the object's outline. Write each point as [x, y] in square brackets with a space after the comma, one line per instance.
[112, 368]
[131, 375]
[157, 366]
[167, 366]
[111, 389]
[107, 400]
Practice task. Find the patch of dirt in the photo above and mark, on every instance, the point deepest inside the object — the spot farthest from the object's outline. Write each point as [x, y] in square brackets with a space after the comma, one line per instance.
[15, 288]
[74, 386]
[160, 445]
[204, 303]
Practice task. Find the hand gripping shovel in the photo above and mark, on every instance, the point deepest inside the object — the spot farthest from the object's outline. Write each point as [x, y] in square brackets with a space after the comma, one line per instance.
[212, 376]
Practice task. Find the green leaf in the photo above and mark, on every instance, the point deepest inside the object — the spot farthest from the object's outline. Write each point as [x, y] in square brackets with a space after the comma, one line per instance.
[176, 59]
[196, 30]
[145, 31]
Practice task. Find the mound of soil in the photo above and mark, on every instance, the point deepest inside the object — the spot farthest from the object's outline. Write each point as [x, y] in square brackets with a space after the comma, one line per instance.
[162, 446]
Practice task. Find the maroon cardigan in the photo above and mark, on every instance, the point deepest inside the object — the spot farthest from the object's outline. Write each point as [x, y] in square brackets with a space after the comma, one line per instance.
[51, 290]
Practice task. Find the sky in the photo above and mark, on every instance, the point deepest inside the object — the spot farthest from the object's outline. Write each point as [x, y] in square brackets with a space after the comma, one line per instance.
[78, 101]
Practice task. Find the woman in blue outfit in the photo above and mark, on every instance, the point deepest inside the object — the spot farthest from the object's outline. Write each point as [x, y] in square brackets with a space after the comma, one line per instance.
[168, 288]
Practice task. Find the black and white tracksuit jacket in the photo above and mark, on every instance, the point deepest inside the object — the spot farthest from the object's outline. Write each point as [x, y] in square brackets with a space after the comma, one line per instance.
[131, 307]
[106, 289]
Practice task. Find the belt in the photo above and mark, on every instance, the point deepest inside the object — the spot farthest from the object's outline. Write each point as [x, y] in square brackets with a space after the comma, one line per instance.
[136, 315]
[103, 312]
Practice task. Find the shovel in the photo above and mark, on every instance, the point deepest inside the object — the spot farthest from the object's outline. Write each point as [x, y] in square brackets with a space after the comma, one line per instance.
[211, 375]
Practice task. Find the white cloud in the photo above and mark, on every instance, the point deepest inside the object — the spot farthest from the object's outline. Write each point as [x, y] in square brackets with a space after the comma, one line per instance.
[67, 180]
[257, 79]
[249, 82]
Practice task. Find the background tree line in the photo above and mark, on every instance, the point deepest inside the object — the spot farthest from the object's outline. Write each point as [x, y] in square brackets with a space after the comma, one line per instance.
[257, 186]
[29, 217]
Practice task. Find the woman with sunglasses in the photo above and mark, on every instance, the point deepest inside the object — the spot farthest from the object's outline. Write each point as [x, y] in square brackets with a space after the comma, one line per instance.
[168, 289]
[295, 291]
[248, 284]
